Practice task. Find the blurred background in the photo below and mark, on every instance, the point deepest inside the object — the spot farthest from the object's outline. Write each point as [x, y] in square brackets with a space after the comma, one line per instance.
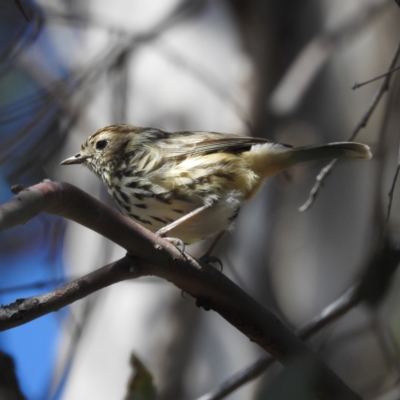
[276, 69]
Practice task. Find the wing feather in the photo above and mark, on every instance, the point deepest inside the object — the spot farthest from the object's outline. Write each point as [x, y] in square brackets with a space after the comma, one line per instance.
[194, 144]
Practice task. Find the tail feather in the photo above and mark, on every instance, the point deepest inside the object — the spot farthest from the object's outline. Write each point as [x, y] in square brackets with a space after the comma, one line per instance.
[270, 159]
[330, 150]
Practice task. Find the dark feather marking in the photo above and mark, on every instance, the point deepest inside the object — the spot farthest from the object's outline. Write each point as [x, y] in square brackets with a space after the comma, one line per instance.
[138, 196]
[140, 205]
[228, 177]
[127, 208]
[159, 134]
[178, 211]
[132, 185]
[145, 187]
[130, 154]
[234, 215]
[128, 173]
[163, 199]
[142, 196]
[177, 195]
[119, 174]
[124, 146]
[158, 219]
[143, 221]
[124, 196]
[191, 186]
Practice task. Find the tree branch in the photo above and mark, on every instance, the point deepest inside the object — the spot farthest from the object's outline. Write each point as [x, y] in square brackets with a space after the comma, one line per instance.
[152, 255]
[371, 288]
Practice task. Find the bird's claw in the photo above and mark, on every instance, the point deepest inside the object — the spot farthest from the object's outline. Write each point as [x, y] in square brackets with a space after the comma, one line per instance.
[207, 259]
[178, 243]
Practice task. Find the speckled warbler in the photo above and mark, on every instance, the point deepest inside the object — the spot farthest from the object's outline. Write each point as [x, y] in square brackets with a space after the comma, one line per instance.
[190, 185]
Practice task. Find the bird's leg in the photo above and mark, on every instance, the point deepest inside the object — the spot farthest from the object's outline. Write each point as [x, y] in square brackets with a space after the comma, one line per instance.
[213, 245]
[163, 231]
[207, 257]
[175, 241]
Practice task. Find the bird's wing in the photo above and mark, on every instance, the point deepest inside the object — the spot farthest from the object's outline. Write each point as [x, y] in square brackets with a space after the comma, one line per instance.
[192, 144]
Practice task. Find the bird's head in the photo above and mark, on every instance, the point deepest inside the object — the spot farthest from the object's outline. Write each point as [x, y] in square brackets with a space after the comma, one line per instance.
[105, 147]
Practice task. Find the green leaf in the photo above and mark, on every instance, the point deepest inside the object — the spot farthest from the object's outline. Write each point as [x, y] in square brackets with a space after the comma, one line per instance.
[140, 385]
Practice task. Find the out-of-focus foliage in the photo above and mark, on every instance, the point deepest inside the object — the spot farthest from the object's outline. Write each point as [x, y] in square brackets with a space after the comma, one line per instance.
[140, 386]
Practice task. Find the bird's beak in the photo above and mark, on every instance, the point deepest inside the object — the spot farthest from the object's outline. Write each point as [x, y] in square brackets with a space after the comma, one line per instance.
[76, 159]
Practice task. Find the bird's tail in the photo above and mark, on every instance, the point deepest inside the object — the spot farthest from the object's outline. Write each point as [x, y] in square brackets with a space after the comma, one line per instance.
[269, 159]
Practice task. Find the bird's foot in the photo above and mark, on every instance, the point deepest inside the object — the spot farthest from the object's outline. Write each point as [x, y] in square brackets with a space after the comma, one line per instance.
[178, 243]
[209, 259]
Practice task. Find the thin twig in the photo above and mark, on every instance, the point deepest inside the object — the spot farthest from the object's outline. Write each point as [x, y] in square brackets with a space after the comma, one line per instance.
[358, 85]
[239, 379]
[361, 124]
[391, 191]
[321, 177]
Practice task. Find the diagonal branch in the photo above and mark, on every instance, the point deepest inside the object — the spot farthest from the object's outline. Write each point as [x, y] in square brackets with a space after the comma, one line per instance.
[371, 288]
[335, 310]
[151, 255]
[26, 310]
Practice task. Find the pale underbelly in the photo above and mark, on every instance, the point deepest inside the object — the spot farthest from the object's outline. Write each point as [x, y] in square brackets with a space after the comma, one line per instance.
[155, 214]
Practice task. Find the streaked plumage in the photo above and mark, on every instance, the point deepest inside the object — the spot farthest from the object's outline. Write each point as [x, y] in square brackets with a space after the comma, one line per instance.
[157, 177]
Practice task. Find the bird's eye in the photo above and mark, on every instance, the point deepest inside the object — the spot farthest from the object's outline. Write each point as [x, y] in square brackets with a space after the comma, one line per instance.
[101, 144]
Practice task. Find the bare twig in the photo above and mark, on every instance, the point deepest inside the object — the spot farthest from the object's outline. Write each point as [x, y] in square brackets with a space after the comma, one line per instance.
[361, 124]
[391, 191]
[358, 85]
[26, 310]
[152, 256]
[321, 177]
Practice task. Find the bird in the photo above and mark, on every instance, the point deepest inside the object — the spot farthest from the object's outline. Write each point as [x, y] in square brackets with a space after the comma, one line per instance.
[190, 185]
